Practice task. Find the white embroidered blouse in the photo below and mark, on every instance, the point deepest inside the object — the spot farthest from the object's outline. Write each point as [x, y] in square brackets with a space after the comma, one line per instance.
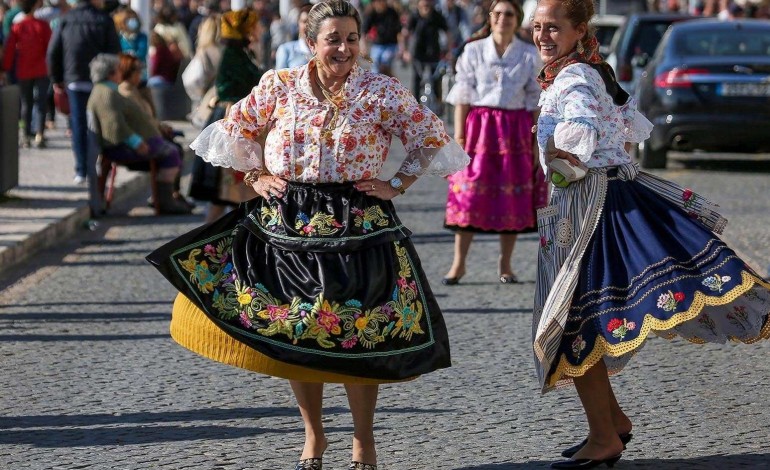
[581, 116]
[298, 146]
[483, 78]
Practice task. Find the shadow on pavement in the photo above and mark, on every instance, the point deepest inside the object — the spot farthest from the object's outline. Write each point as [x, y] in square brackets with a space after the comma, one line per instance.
[148, 417]
[508, 466]
[65, 337]
[75, 317]
[708, 462]
[87, 437]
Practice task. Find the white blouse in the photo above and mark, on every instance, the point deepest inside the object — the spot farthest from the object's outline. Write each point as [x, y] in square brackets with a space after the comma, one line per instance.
[485, 79]
[581, 116]
[300, 146]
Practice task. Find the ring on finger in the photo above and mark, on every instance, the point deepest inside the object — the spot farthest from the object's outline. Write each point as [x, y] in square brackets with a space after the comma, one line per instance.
[373, 188]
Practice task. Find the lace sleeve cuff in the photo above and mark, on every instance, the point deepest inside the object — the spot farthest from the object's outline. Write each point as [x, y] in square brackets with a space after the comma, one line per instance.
[220, 148]
[462, 93]
[442, 161]
[638, 129]
[577, 138]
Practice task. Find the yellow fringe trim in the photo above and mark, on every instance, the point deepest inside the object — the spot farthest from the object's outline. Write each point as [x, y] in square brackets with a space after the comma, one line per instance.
[191, 328]
[603, 348]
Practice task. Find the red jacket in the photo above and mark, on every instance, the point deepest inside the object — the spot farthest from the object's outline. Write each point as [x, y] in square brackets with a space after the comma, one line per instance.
[27, 43]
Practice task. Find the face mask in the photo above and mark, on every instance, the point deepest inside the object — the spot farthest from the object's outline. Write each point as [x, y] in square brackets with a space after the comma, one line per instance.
[132, 24]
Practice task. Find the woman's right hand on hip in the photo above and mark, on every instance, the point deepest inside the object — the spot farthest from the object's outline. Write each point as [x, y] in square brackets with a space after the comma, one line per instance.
[270, 186]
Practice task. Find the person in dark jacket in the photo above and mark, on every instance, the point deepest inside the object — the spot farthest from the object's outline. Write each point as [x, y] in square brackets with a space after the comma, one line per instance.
[423, 33]
[83, 33]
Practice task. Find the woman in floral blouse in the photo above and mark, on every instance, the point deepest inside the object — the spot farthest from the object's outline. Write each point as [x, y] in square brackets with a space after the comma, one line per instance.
[317, 280]
[622, 252]
[495, 97]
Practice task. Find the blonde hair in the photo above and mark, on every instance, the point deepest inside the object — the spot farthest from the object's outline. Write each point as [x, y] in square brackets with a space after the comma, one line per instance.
[121, 16]
[209, 31]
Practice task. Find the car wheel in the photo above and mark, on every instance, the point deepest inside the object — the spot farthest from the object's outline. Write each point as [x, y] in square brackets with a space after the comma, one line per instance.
[651, 158]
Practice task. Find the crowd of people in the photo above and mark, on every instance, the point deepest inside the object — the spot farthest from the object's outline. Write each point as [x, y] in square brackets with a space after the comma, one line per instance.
[303, 269]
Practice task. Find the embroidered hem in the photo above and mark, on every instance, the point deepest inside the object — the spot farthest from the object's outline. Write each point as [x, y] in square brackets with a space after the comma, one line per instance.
[603, 348]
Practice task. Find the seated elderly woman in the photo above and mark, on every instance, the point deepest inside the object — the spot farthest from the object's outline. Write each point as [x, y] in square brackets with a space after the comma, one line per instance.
[130, 70]
[128, 137]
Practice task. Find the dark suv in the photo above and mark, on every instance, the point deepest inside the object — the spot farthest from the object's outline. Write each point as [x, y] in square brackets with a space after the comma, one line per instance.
[635, 43]
[708, 88]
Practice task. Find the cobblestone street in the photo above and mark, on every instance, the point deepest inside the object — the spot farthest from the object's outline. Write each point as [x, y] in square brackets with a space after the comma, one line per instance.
[92, 380]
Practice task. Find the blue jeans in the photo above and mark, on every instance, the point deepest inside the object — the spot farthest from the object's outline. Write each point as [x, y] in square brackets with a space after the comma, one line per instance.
[382, 56]
[79, 126]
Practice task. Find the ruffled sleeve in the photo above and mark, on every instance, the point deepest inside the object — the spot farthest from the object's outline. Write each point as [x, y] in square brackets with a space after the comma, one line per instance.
[637, 127]
[430, 150]
[464, 89]
[578, 99]
[232, 142]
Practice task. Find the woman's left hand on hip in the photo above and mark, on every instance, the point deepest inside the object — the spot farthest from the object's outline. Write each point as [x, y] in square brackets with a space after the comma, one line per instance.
[377, 188]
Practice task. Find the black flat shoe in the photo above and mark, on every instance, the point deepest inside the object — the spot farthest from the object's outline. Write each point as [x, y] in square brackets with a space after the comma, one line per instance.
[586, 463]
[624, 438]
[309, 464]
[509, 279]
[361, 466]
[451, 281]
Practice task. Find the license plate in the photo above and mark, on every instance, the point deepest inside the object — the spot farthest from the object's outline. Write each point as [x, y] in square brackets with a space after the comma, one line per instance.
[745, 89]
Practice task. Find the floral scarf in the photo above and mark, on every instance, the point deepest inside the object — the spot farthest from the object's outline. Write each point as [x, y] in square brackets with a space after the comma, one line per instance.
[589, 55]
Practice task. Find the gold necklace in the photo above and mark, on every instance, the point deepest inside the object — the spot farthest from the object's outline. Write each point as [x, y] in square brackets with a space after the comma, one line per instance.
[331, 97]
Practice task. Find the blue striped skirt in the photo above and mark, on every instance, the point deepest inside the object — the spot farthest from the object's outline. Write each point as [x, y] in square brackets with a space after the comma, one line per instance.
[624, 254]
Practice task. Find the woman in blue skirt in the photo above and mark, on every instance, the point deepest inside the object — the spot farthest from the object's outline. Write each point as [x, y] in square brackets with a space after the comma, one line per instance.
[623, 254]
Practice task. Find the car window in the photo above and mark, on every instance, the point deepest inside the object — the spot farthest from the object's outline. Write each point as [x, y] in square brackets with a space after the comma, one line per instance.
[723, 43]
[648, 37]
[621, 7]
[605, 33]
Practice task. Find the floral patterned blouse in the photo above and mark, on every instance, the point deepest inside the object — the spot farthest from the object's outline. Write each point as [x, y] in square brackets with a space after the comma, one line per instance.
[300, 146]
[581, 116]
[485, 79]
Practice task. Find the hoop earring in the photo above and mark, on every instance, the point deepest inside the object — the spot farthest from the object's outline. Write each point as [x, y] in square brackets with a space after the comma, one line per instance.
[580, 49]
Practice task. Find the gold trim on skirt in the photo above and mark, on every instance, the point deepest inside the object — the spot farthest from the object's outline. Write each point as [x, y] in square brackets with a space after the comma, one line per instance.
[191, 328]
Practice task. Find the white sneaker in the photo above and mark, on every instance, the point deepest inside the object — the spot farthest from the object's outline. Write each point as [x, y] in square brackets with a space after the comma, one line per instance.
[79, 180]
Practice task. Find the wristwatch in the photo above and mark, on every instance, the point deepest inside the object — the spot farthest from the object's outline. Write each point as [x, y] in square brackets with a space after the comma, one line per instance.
[397, 184]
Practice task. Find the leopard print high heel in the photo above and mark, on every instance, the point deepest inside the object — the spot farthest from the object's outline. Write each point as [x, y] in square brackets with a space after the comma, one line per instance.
[361, 466]
[309, 464]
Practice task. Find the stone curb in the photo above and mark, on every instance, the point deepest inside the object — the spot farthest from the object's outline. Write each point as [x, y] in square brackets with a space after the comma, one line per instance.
[68, 224]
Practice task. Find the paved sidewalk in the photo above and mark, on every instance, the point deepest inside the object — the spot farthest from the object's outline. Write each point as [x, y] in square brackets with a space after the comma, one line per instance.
[47, 206]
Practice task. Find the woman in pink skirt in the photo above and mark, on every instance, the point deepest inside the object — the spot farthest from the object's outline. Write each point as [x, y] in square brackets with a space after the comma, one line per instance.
[495, 97]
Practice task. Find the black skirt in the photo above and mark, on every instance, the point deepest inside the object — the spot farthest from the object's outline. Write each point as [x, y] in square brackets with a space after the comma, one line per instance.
[325, 277]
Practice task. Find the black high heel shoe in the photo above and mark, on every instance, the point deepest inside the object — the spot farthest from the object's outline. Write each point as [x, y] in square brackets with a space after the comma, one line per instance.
[586, 463]
[361, 466]
[309, 464]
[509, 279]
[451, 281]
[625, 438]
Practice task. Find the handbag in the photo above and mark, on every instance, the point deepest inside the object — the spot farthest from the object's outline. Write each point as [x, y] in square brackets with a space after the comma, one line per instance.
[194, 78]
[61, 101]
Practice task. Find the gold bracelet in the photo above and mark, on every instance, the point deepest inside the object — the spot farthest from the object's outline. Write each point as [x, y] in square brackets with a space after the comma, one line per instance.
[251, 177]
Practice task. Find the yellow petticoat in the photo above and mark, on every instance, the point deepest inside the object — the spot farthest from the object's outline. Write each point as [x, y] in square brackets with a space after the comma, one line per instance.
[191, 328]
